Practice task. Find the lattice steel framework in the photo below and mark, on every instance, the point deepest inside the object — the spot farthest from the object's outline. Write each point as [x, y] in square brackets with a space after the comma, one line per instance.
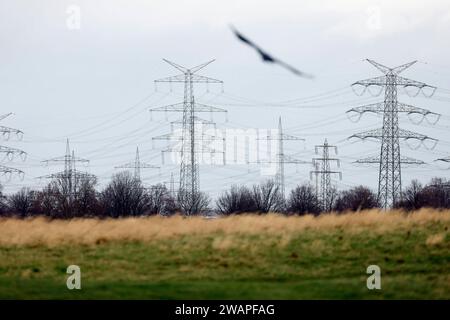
[70, 178]
[189, 167]
[11, 153]
[323, 185]
[282, 158]
[137, 165]
[390, 159]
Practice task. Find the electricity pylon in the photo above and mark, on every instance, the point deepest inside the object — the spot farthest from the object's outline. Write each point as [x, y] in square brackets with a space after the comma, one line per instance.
[171, 187]
[390, 159]
[137, 165]
[323, 188]
[11, 153]
[282, 158]
[189, 185]
[70, 178]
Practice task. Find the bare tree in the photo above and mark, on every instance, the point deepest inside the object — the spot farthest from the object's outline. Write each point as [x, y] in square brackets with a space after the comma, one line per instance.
[86, 200]
[437, 193]
[193, 203]
[357, 198]
[160, 200]
[413, 197]
[124, 196]
[3, 202]
[303, 200]
[45, 202]
[267, 197]
[22, 201]
[236, 200]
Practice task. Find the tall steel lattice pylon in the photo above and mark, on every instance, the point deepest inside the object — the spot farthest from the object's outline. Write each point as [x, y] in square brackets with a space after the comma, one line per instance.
[11, 153]
[70, 178]
[189, 164]
[137, 165]
[322, 167]
[390, 159]
[282, 158]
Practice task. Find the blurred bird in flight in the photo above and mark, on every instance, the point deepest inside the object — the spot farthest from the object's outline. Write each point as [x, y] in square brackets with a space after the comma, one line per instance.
[267, 57]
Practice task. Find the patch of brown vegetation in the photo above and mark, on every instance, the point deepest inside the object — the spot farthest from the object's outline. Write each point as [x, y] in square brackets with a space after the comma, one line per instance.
[41, 231]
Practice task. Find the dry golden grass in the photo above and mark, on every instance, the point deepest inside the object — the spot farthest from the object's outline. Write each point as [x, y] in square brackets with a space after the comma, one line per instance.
[41, 231]
[435, 239]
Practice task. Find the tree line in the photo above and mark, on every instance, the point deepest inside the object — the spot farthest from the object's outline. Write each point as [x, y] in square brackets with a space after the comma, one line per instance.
[126, 196]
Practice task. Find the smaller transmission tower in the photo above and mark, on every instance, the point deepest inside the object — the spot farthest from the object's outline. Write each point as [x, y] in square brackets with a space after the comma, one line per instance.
[282, 158]
[70, 178]
[11, 153]
[325, 191]
[137, 165]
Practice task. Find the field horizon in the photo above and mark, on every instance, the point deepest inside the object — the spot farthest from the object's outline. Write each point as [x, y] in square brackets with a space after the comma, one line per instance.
[235, 257]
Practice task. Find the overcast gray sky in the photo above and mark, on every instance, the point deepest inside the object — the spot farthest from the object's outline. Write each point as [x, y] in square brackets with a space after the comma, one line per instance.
[94, 84]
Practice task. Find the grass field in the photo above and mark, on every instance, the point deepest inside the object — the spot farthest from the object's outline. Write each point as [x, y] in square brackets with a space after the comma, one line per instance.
[241, 257]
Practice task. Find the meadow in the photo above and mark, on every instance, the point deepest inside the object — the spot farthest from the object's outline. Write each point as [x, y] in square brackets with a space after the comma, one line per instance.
[237, 257]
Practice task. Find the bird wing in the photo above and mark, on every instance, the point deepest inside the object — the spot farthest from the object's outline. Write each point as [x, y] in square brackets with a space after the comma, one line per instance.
[266, 57]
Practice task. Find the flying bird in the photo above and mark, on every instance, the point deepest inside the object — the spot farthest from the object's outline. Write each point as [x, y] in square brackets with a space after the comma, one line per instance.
[267, 57]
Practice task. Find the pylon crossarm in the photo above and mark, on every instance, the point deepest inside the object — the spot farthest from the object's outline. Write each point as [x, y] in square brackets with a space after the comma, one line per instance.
[5, 116]
[4, 129]
[11, 152]
[5, 169]
[372, 159]
[198, 136]
[285, 160]
[199, 150]
[65, 158]
[7, 172]
[376, 160]
[374, 108]
[408, 160]
[377, 81]
[405, 82]
[176, 66]
[379, 66]
[202, 79]
[291, 137]
[407, 135]
[177, 107]
[177, 78]
[410, 110]
[290, 159]
[403, 67]
[201, 66]
[402, 133]
[283, 137]
[402, 107]
[64, 175]
[196, 120]
[132, 165]
[167, 136]
[205, 108]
